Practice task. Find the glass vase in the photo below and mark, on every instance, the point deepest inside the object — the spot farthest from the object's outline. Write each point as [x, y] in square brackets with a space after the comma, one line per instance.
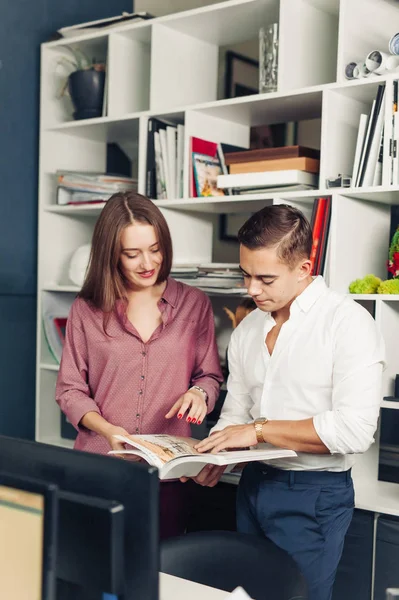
[268, 58]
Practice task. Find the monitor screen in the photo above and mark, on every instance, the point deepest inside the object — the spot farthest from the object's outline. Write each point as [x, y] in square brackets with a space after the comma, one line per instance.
[27, 544]
[21, 548]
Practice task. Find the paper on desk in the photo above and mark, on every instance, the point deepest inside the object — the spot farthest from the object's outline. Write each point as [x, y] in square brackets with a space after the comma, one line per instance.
[238, 594]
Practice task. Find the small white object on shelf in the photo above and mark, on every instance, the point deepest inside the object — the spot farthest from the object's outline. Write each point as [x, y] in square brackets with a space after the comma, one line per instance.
[78, 264]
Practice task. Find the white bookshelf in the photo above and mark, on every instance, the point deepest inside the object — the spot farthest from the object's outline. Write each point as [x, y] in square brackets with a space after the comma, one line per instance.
[167, 67]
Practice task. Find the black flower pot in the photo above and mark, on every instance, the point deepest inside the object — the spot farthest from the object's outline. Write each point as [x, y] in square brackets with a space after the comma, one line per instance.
[86, 89]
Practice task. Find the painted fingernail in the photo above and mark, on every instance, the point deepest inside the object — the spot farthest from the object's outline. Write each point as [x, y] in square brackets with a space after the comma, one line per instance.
[179, 416]
[194, 420]
[199, 422]
[188, 420]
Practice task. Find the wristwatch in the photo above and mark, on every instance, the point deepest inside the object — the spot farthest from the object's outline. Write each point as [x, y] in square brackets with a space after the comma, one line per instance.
[258, 423]
[200, 389]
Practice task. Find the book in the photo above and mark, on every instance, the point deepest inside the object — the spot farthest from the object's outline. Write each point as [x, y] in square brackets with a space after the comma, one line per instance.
[152, 168]
[322, 250]
[301, 163]
[374, 143]
[368, 142]
[92, 26]
[359, 145]
[206, 172]
[176, 457]
[270, 154]
[68, 196]
[320, 226]
[199, 146]
[265, 179]
[242, 191]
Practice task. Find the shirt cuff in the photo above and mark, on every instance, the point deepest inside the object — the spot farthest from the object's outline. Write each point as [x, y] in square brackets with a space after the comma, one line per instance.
[325, 429]
[78, 409]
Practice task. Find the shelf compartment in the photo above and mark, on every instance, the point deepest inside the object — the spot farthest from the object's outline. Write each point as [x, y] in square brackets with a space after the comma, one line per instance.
[313, 59]
[129, 68]
[55, 109]
[364, 27]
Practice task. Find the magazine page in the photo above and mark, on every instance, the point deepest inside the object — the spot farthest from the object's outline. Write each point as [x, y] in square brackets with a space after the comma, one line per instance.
[160, 448]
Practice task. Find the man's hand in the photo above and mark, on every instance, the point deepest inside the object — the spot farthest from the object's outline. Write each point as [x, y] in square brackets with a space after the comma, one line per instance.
[192, 401]
[208, 477]
[234, 436]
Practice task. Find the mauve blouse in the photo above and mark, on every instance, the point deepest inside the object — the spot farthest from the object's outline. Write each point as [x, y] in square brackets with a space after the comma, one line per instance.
[131, 383]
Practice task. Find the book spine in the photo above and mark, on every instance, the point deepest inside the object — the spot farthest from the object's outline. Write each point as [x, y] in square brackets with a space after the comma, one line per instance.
[271, 154]
[369, 142]
[321, 259]
[302, 163]
[149, 184]
[317, 230]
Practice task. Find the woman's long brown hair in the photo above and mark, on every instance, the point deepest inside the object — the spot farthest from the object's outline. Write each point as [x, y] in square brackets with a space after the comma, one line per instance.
[104, 282]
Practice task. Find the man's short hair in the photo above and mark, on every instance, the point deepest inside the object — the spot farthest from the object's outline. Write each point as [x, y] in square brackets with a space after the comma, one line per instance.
[282, 227]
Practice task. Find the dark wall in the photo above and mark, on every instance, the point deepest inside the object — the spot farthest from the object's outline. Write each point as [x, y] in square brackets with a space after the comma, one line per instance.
[24, 25]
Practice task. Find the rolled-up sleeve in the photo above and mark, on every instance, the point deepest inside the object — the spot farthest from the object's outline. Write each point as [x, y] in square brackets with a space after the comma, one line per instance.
[358, 362]
[72, 389]
[207, 372]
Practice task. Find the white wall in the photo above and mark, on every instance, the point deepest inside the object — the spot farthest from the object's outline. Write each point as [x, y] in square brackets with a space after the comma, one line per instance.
[165, 7]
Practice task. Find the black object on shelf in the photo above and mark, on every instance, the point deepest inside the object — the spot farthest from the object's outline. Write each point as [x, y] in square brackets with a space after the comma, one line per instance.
[86, 88]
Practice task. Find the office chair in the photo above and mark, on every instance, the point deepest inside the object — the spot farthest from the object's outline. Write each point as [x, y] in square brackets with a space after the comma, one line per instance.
[226, 560]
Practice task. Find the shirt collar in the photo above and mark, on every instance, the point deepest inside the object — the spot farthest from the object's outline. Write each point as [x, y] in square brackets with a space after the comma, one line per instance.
[309, 296]
[306, 299]
[170, 293]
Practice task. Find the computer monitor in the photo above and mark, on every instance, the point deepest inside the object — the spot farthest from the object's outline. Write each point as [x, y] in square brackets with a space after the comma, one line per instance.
[90, 557]
[134, 485]
[28, 530]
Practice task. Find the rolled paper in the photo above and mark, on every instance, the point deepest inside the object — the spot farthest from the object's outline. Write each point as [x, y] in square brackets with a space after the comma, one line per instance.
[360, 71]
[392, 63]
[349, 70]
[394, 44]
[376, 61]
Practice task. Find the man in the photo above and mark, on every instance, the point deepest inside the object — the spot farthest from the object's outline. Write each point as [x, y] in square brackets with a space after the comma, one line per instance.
[305, 374]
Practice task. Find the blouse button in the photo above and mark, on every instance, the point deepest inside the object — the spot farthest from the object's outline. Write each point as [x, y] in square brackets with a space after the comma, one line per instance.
[142, 377]
[140, 392]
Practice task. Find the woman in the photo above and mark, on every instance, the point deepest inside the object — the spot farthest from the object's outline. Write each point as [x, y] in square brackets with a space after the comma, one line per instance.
[140, 354]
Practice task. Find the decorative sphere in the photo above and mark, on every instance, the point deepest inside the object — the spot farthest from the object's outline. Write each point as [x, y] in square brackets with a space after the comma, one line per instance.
[78, 264]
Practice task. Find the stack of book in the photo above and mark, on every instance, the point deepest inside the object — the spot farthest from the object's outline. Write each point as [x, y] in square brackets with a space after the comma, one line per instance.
[74, 187]
[164, 174]
[267, 169]
[368, 162]
[213, 278]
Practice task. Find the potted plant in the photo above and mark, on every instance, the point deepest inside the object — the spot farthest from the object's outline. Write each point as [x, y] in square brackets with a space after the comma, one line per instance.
[85, 84]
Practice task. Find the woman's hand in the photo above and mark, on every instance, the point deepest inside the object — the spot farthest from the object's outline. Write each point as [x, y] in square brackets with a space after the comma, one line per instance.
[192, 402]
[112, 430]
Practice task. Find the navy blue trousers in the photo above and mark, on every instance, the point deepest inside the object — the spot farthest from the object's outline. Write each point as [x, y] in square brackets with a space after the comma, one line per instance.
[306, 513]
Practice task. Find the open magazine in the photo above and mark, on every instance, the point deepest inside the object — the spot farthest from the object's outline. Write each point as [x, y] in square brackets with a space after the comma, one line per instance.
[176, 457]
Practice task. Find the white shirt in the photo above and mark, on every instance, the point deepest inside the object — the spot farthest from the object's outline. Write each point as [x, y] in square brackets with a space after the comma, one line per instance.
[327, 364]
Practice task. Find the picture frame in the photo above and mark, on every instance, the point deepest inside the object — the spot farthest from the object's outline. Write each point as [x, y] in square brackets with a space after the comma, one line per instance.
[229, 225]
[241, 75]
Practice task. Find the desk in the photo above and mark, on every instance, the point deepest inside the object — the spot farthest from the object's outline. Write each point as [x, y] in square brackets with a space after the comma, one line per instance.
[175, 588]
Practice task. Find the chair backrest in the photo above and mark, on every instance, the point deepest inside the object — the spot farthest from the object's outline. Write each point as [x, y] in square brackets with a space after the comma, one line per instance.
[226, 560]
